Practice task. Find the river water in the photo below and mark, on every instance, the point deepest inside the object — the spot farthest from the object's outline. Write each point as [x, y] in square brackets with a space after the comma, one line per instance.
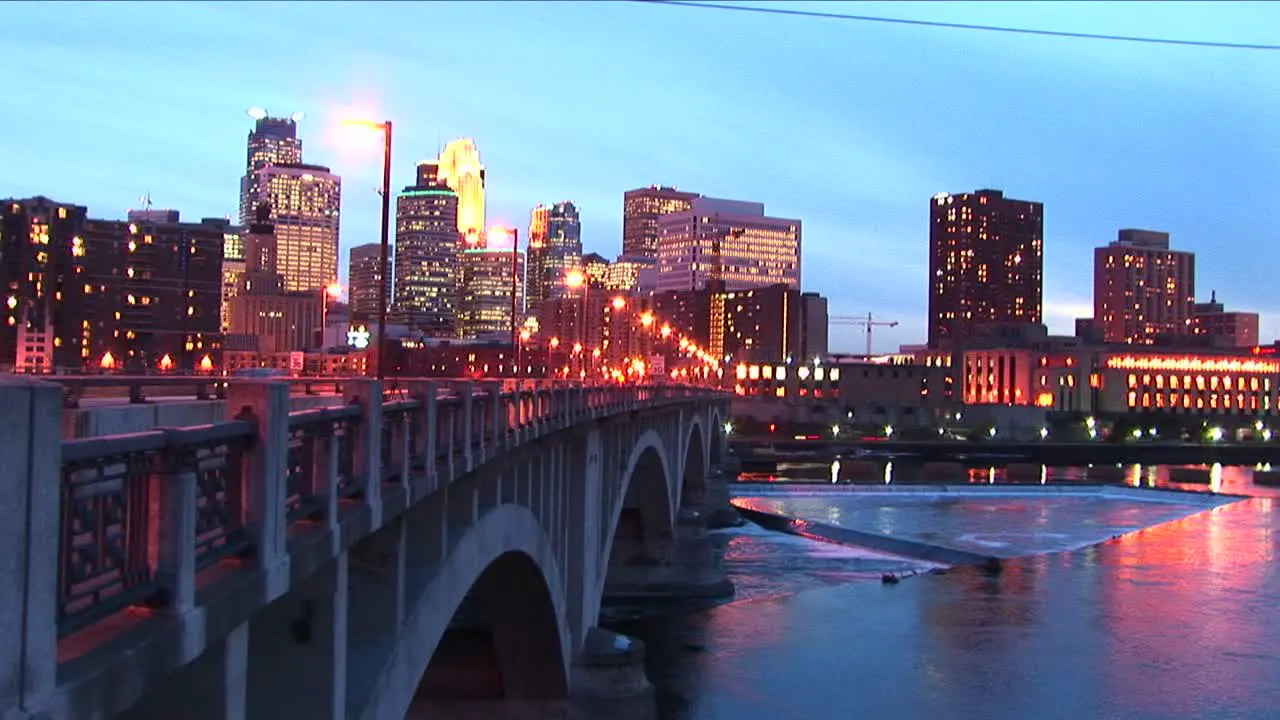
[1107, 607]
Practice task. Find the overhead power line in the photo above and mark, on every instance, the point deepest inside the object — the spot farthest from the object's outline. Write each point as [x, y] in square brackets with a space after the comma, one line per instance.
[962, 26]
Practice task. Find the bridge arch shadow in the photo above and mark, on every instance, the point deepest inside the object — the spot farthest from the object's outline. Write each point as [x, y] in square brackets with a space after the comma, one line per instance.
[491, 625]
[693, 480]
[643, 523]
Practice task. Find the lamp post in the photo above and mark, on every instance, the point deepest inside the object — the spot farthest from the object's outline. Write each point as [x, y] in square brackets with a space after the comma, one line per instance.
[385, 128]
[573, 280]
[515, 290]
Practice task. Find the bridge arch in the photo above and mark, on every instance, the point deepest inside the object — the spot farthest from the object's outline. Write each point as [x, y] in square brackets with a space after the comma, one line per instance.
[505, 561]
[693, 466]
[643, 516]
[716, 447]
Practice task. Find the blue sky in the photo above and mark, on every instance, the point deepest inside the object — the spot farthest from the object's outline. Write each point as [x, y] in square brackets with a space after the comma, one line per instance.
[849, 126]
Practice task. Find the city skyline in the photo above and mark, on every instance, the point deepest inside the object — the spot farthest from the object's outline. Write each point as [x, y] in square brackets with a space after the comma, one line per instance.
[1194, 105]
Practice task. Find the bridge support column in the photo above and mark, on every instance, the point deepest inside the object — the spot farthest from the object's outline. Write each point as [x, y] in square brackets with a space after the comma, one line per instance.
[213, 687]
[30, 475]
[298, 650]
[608, 677]
[368, 457]
[467, 391]
[266, 403]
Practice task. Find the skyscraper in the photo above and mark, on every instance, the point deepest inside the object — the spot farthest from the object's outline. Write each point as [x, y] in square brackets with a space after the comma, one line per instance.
[536, 287]
[986, 253]
[1142, 290]
[641, 209]
[305, 201]
[728, 241]
[484, 308]
[364, 268]
[272, 141]
[559, 254]
[459, 168]
[263, 312]
[427, 262]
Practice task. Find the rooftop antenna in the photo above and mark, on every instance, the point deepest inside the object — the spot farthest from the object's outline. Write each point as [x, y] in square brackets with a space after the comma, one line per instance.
[146, 201]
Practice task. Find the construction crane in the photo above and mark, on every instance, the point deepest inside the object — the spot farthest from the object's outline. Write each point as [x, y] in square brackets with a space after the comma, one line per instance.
[867, 322]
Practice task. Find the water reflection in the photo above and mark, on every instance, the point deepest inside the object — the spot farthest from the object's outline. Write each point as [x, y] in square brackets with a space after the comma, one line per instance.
[1228, 479]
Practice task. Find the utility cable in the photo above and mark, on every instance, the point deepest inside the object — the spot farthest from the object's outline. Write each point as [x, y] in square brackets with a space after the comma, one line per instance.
[963, 26]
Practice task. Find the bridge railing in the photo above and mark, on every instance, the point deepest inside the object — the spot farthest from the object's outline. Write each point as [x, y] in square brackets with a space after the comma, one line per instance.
[100, 525]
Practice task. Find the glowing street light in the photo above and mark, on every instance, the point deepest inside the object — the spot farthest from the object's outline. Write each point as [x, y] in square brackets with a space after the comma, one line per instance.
[334, 291]
[619, 303]
[385, 128]
[575, 279]
[646, 319]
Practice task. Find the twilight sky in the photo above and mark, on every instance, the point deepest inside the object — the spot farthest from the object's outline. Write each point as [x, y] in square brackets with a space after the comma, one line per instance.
[849, 126]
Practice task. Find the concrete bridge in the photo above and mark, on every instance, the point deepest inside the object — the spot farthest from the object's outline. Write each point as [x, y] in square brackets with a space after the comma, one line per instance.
[288, 563]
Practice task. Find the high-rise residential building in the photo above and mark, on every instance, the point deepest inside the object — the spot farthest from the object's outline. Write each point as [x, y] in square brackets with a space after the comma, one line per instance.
[986, 255]
[364, 271]
[727, 241]
[427, 270]
[272, 141]
[536, 290]
[558, 254]
[305, 201]
[110, 294]
[641, 209]
[488, 281]
[459, 168]
[775, 324]
[265, 316]
[1222, 327]
[42, 241]
[1142, 290]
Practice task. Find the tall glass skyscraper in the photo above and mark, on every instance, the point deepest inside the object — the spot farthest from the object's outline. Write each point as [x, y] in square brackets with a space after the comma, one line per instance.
[484, 308]
[427, 272]
[272, 141]
[459, 168]
[555, 249]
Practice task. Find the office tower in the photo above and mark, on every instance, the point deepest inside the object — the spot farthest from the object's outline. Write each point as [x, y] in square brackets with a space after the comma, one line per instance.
[556, 256]
[536, 290]
[427, 262]
[641, 209]
[41, 242]
[305, 201]
[233, 264]
[727, 241]
[459, 168]
[364, 269]
[624, 273]
[265, 315]
[272, 141]
[1224, 328]
[1142, 290]
[596, 268]
[986, 253]
[484, 307]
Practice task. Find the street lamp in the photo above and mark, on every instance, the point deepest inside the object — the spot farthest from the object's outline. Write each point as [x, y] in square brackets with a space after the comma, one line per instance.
[573, 280]
[385, 128]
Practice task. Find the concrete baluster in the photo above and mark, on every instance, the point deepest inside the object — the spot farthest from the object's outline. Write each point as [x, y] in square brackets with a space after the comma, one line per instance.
[264, 472]
[171, 527]
[31, 478]
[368, 449]
[426, 393]
[497, 421]
[466, 391]
[324, 470]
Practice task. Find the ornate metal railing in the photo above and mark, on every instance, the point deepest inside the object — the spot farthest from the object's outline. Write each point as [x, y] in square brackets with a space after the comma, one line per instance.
[141, 514]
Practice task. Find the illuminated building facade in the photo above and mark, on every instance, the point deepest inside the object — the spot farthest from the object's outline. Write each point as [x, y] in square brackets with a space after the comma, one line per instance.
[459, 168]
[1223, 328]
[232, 264]
[774, 324]
[726, 241]
[41, 242]
[986, 255]
[484, 307]
[427, 269]
[272, 141]
[1142, 290]
[1121, 382]
[641, 209]
[536, 290]
[305, 201]
[563, 247]
[266, 316]
[107, 294]
[596, 267]
[364, 269]
[624, 273]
